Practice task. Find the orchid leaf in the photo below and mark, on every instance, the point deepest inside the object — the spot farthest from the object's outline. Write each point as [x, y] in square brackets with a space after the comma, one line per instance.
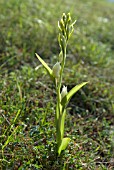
[63, 145]
[48, 69]
[67, 98]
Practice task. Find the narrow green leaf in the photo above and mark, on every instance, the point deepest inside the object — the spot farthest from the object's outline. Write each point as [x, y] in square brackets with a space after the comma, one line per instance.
[67, 98]
[9, 138]
[63, 145]
[48, 69]
[75, 89]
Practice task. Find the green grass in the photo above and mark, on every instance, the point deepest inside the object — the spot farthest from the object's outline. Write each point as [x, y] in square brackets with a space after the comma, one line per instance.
[28, 142]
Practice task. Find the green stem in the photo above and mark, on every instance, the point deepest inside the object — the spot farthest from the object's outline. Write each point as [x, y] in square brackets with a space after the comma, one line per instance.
[58, 89]
[62, 68]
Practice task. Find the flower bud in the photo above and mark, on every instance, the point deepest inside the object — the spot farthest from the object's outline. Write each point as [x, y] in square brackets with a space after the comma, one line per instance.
[61, 23]
[68, 18]
[62, 42]
[64, 17]
[56, 70]
[64, 92]
[60, 57]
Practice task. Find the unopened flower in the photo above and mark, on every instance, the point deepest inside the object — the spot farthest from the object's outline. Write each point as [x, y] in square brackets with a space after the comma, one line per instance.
[60, 57]
[56, 70]
[64, 91]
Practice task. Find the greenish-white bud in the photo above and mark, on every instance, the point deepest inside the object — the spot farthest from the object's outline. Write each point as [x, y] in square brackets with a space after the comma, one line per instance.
[60, 57]
[56, 70]
[64, 92]
[62, 42]
[61, 24]
[64, 17]
[68, 18]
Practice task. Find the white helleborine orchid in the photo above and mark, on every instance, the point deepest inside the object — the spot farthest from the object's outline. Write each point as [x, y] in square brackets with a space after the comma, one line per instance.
[64, 91]
[63, 97]
[56, 70]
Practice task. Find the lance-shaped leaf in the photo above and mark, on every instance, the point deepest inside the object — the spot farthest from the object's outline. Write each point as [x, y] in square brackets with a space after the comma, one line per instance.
[63, 145]
[67, 98]
[48, 69]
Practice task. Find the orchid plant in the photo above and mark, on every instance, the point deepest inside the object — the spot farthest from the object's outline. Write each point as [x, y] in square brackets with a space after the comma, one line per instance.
[66, 27]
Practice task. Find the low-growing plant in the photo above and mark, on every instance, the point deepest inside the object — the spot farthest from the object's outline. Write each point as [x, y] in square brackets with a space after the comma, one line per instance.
[66, 27]
[10, 131]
